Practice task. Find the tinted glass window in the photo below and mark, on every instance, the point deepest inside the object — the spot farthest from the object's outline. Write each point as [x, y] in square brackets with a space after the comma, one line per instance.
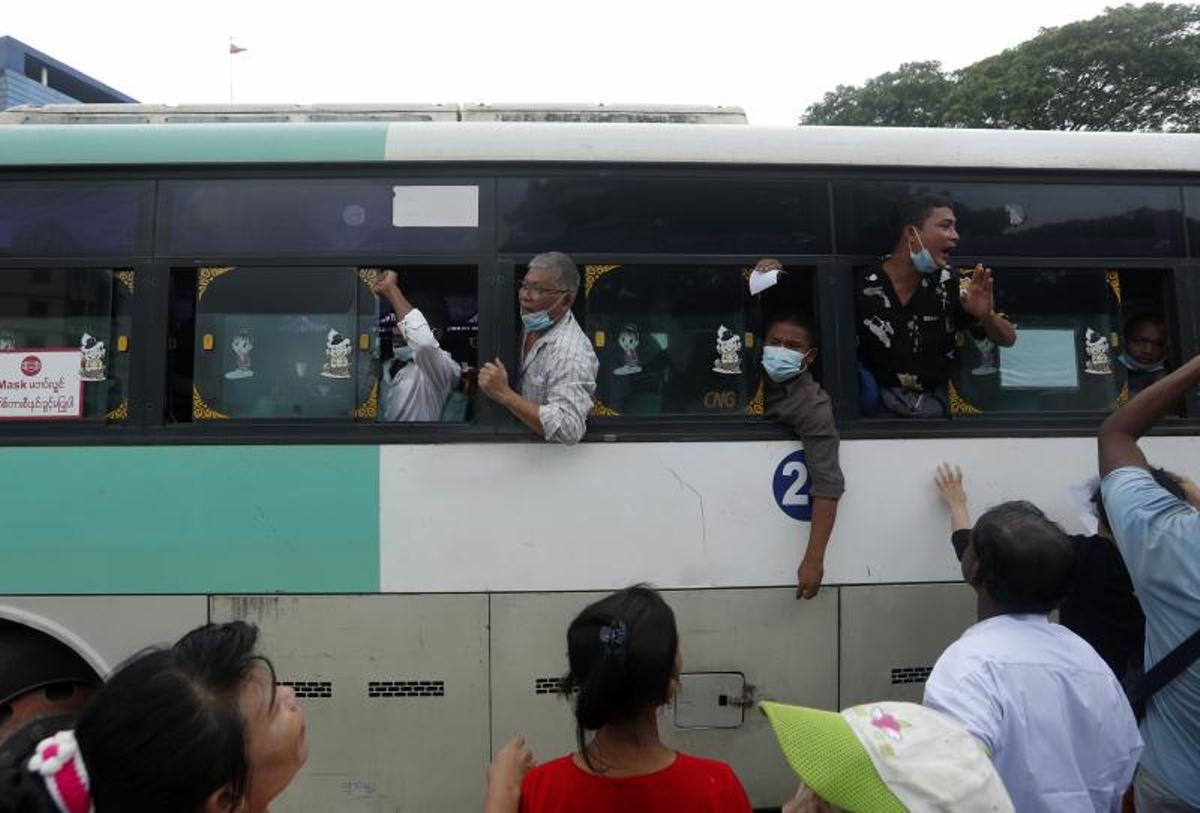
[1039, 220]
[282, 343]
[81, 315]
[75, 219]
[289, 217]
[672, 339]
[1193, 211]
[1069, 349]
[663, 215]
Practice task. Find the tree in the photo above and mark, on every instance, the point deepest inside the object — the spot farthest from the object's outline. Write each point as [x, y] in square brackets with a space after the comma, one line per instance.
[914, 95]
[1132, 68]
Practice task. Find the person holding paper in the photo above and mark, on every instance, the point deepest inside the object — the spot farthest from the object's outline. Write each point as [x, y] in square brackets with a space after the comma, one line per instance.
[910, 308]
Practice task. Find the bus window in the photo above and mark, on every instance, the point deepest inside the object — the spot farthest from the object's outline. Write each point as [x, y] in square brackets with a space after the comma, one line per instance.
[273, 343]
[1032, 220]
[420, 382]
[291, 217]
[93, 219]
[1070, 351]
[672, 339]
[82, 318]
[1192, 194]
[663, 215]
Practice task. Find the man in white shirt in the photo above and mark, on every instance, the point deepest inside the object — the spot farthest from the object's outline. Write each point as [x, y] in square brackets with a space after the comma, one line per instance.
[1059, 728]
[416, 381]
[558, 364]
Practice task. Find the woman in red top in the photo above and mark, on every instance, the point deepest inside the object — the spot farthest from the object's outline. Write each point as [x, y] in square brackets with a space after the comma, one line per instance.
[624, 664]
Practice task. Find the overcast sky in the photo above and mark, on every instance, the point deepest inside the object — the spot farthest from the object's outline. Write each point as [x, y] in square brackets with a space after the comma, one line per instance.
[772, 58]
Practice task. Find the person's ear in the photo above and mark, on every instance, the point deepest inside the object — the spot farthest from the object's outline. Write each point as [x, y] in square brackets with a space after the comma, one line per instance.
[812, 354]
[222, 800]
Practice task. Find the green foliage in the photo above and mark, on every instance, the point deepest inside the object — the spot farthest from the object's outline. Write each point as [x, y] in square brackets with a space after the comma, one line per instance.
[1132, 68]
[914, 95]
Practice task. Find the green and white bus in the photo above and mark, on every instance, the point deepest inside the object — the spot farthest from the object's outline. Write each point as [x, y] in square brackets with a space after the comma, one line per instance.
[414, 581]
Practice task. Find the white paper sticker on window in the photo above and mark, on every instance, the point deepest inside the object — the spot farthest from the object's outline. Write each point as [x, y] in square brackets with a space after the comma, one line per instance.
[1042, 359]
[435, 207]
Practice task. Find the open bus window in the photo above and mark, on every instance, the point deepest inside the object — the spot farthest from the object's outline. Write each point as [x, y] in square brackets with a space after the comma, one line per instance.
[427, 371]
[1070, 354]
[302, 343]
[672, 339]
[64, 343]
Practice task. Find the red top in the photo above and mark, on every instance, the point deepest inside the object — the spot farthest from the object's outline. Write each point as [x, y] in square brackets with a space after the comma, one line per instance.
[688, 785]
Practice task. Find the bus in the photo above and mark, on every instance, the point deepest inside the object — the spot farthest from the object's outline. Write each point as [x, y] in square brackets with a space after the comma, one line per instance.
[414, 581]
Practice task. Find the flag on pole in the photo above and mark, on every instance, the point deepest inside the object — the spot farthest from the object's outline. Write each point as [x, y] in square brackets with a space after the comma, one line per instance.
[235, 49]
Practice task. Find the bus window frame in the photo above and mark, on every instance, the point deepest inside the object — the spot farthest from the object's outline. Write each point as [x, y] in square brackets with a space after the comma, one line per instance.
[833, 279]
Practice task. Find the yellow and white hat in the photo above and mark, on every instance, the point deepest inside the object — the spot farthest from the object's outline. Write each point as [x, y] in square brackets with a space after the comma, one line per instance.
[888, 757]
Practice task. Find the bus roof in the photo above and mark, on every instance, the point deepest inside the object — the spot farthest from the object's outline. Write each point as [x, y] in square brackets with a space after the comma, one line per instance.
[511, 142]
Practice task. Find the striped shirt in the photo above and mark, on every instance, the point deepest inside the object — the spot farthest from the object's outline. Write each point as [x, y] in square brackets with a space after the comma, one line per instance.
[559, 373]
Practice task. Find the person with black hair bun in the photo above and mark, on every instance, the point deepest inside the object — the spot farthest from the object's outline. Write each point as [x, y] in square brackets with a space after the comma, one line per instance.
[200, 727]
[624, 659]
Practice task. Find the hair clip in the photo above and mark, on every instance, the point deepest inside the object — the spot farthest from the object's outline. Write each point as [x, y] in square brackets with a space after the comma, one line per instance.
[58, 761]
[612, 637]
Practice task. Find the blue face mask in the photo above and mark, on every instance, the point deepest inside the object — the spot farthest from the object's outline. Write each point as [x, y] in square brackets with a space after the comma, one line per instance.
[782, 364]
[538, 320]
[402, 352]
[922, 260]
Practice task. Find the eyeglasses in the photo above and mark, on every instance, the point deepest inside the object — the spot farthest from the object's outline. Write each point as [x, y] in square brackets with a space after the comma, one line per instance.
[538, 290]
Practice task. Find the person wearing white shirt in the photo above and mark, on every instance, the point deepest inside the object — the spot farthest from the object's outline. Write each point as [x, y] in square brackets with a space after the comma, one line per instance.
[1058, 725]
[415, 383]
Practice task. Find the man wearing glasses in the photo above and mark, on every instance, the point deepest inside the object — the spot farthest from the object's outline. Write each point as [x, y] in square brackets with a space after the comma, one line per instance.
[558, 365]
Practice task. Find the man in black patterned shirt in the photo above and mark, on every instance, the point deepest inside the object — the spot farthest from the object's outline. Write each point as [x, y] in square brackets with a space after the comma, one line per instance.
[910, 308]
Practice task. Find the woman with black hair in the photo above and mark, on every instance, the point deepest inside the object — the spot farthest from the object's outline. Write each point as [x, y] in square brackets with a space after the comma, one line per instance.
[200, 727]
[624, 661]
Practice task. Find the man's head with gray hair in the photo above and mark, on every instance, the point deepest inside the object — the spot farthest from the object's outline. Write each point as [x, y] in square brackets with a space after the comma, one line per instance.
[564, 268]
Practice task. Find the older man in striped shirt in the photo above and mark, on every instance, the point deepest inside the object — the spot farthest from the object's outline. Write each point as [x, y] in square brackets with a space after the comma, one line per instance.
[558, 365]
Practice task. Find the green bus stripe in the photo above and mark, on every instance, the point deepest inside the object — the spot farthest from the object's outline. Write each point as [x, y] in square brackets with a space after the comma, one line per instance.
[77, 144]
[224, 519]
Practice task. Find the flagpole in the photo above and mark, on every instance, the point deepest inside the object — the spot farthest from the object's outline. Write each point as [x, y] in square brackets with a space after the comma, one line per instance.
[231, 70]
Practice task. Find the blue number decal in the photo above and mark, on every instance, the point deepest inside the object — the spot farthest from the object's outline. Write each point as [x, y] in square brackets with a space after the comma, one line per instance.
[791, 486]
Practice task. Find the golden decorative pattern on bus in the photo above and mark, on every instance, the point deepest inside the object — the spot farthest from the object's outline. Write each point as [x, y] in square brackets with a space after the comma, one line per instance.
[1114, 282]
[599, 408]
[960, 339]
[125, 278]
[120, 413]
[755, 407]
[370, 407]
[592, 273]
[364, 342]
[207, 342]
[1122, 397]
[748, 339]
[600, 340]
[122, 344]
[369, 276]
[960, 405]
[1114, 339]
[205, 278]
[201, 411]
